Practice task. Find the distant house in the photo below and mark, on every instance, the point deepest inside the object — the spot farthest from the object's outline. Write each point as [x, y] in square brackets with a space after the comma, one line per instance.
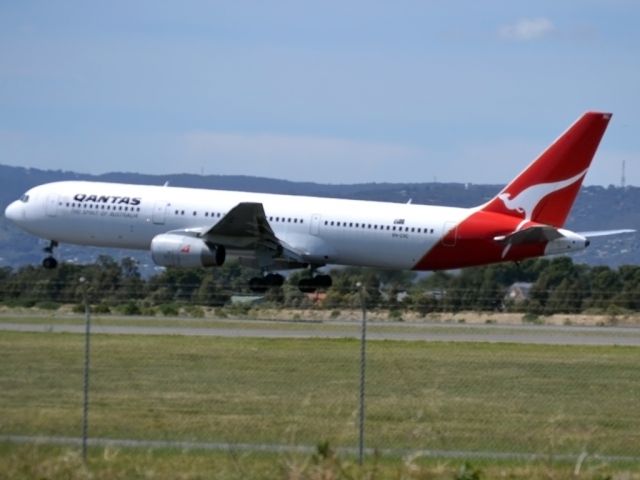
[436, 293]
[246, 299]
[518, 292]
[398, 295]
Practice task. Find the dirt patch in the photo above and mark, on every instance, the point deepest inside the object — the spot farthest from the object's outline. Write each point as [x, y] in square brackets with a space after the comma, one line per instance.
[473, 318]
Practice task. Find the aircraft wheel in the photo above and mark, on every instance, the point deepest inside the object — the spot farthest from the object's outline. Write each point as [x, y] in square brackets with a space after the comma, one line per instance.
[310, 285]
[323, 281]
[258, 285]
[274, 280]
[307, 285]
[49, 263]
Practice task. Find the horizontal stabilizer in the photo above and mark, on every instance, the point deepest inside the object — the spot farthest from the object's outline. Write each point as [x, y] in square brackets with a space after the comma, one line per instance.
[605, 233]
[530, 235]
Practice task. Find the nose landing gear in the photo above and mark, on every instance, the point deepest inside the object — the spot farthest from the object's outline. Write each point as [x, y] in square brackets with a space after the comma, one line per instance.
[50, 262]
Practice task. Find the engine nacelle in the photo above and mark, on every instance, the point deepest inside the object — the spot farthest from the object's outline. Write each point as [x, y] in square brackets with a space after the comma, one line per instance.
[169, 250]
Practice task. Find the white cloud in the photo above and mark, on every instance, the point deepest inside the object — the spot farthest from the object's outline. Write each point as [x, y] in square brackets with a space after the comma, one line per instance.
[323, 159]
[527, 29]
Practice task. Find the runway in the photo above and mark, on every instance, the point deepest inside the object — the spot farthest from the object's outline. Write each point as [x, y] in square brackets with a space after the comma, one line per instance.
[521, 334]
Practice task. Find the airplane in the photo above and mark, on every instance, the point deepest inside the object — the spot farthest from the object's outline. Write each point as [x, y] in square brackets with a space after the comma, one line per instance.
[188, 227]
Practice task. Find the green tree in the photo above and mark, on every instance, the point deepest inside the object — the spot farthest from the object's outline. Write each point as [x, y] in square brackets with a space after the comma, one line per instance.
[605, 284]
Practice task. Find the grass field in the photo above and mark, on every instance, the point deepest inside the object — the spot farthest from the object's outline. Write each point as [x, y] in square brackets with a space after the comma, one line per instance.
[450, 396]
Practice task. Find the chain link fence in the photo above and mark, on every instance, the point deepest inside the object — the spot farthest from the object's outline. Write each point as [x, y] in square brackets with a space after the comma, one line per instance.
[224, 380]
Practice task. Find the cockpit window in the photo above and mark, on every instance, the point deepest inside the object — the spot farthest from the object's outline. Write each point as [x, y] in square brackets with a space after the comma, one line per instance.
[24, 198]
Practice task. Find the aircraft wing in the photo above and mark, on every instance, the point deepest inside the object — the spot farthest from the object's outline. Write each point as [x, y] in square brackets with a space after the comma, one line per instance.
[245, 220]
[246, 226]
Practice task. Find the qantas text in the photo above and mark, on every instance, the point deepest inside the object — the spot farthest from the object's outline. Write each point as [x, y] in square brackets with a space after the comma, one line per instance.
[83, 197]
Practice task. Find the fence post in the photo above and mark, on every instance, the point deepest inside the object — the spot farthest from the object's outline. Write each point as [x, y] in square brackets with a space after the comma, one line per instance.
[363, 362]
[85, 400]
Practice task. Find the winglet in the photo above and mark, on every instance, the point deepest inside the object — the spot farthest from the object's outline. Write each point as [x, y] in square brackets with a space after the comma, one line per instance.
[545, 191]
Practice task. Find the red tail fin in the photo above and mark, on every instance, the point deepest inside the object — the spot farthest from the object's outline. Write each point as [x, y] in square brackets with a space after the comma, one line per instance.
[545, 191]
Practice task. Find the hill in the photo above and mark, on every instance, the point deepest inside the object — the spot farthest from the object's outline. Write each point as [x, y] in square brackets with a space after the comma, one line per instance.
[597, 208]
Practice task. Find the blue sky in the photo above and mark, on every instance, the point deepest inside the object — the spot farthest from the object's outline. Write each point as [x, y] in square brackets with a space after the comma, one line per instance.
[336, 92]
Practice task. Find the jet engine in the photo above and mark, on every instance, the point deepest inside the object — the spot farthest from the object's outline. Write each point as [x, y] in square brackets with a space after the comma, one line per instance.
[169, 250]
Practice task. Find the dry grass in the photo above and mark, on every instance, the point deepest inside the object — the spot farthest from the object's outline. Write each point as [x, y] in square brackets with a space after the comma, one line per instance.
[47, 463]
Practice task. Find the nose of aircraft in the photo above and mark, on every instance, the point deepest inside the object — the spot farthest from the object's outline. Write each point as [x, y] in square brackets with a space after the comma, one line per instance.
[15, 211]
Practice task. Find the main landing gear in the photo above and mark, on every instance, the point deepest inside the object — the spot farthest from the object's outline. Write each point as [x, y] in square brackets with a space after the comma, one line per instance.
[310, 285]
[50, 262]
[262, 284]
[305, 285]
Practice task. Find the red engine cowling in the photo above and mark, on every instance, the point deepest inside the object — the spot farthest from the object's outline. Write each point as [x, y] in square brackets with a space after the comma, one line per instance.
[169, 250]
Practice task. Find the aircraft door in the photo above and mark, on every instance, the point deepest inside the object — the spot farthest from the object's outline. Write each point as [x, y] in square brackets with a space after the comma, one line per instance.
[315, 223]
[159, 212]
[450, 234]
[51, 207]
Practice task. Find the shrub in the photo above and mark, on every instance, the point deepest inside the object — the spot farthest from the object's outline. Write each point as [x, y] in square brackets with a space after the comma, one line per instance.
[467, 472]
[78, 308]
[238, 309]
[130, 308]
[48, 305]
[195, 311]
[101, 308]
[169, 309]
[532, 318]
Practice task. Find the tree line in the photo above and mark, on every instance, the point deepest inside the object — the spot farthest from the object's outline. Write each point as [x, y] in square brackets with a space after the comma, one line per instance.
[542, 287]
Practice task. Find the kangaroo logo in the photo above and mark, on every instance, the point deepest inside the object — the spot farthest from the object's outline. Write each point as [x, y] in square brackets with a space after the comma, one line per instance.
[527, 200]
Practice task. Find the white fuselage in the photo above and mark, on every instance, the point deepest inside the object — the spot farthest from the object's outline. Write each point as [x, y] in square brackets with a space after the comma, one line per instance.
[197, 227]
[336, 231]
